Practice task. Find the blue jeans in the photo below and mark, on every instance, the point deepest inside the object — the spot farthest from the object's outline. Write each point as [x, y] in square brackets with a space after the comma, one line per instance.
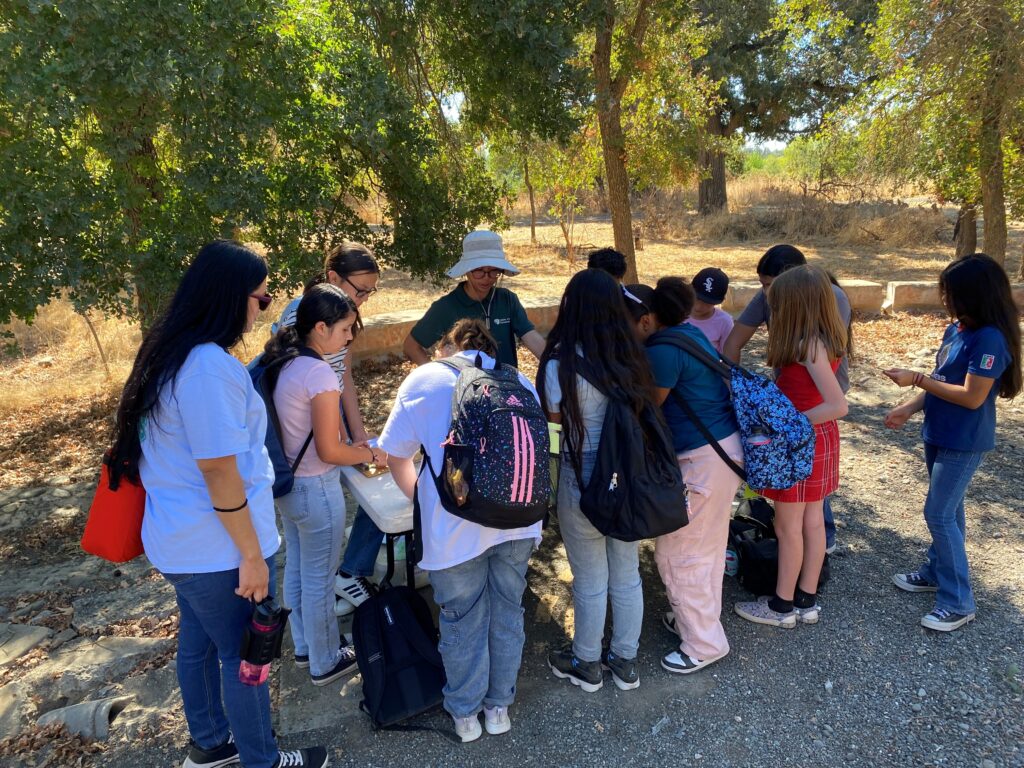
[949, 473]
[213, 620]
[363, 545]
[482, 635]
[602, 568]
[830, 523]
[313, 516]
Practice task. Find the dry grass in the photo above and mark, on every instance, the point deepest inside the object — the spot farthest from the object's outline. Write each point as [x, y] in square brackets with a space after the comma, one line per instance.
[53, 369]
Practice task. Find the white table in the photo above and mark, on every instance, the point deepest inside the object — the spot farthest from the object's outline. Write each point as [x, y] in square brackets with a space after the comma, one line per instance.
[389, 509]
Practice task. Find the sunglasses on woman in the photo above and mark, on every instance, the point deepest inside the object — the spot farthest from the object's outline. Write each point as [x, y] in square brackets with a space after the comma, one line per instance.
[264, 300]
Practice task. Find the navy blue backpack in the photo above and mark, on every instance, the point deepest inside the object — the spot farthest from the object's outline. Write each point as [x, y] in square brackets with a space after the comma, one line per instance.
[778, 440]
[264, 379]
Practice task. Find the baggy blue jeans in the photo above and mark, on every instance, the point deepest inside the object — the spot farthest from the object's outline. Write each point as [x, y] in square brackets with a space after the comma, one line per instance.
[482, 635]
[313, 518]
[950, 474]
[603, 569]
[213, 620]
[363, 546]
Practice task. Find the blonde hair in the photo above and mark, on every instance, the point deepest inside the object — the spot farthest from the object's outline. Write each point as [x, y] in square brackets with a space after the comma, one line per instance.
[803, 308]
[470, 333]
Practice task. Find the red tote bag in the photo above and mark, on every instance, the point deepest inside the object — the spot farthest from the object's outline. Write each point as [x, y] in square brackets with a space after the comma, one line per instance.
[114, 528]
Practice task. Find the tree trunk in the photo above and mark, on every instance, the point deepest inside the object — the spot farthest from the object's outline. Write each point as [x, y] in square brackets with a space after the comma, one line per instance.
[990, 168]
[711, 191]
[613, 141]
[965, 233]
[533, 205]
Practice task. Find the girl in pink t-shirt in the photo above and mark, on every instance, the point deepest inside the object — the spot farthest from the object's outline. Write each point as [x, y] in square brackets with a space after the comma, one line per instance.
[307, 399]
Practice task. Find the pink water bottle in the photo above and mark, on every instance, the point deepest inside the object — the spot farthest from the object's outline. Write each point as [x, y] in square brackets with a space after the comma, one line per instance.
[261, 643]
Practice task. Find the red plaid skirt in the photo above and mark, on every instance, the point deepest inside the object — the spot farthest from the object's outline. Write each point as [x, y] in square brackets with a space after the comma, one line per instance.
[824, 477]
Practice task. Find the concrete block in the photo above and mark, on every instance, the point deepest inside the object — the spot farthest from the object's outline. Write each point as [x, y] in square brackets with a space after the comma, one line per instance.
[739, 295]
[901, 295]
[864, 295]
[382, 335]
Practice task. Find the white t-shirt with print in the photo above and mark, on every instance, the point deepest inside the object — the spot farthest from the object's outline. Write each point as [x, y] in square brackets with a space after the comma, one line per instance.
[421, 416]
[210, 410]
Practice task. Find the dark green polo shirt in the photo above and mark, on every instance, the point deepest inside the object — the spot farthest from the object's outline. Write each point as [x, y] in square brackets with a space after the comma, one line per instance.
[508, 320]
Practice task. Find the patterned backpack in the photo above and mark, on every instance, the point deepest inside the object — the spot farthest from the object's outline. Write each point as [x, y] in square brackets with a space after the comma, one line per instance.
[778, 440]
[495, 469]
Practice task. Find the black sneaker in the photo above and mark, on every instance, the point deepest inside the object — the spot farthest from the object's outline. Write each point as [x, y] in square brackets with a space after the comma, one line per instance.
[625, 673]
[225, 754]
[942, 620]
[586, 674]
[346, 665]
[302, 661]
[913, 582]
[310, 757]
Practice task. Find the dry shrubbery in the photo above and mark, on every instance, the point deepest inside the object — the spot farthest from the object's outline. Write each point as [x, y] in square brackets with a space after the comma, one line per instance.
[762, 209]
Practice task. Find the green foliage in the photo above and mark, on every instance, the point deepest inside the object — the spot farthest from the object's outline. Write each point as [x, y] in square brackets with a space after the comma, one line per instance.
[131, 132]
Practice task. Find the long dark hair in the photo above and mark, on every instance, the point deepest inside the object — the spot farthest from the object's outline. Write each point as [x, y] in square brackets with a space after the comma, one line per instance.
[976, 291]
[210, 305]
[321, 303]
[593, 320]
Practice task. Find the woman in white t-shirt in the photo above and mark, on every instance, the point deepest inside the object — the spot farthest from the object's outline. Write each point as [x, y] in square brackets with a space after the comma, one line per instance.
[306, 396]
[593, 320]
[192, 426]
[478, 573]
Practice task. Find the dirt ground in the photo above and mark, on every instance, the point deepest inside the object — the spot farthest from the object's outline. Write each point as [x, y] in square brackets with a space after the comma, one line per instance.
[866, 687]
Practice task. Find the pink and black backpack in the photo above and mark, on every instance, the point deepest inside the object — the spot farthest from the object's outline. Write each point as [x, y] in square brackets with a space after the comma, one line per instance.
[495, 469]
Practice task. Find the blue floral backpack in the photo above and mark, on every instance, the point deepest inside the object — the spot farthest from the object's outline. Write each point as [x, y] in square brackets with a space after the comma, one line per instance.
[778, 440]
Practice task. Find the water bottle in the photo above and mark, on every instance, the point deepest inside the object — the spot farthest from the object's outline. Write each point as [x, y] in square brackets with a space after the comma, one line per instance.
[261, 643]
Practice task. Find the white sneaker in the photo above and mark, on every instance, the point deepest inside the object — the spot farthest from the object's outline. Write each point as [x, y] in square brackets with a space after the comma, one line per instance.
[808, 615]
[468, 728]
[343, 607]
[496, 720]
[354, 589]
[668, 621]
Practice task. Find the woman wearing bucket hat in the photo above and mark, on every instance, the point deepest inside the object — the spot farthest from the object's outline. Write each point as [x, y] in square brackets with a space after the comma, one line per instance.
[483, 263]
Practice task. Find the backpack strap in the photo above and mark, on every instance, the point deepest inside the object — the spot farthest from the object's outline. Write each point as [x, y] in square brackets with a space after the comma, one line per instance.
[275, 420]
[702, 428]
[720, 365]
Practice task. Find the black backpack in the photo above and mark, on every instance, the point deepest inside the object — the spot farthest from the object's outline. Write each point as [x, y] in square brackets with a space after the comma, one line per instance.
[264, 379]
[396, 650]
[636, 490]
[752, 538]
[494, 471]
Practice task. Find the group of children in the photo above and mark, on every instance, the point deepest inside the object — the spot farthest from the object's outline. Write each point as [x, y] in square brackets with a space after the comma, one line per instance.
[478, 574]
[191, 428]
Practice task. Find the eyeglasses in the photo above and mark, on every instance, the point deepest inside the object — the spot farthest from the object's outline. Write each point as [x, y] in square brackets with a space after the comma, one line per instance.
[360, 292]
[489, 273]
[264, 300]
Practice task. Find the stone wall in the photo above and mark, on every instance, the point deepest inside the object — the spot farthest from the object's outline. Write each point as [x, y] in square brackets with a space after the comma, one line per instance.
[383, 335]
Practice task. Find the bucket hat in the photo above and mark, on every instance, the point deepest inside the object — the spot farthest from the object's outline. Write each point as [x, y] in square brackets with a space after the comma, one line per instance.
[482, 248]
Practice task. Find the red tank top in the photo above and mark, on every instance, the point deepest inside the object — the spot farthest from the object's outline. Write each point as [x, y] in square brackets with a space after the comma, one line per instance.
[796, 384]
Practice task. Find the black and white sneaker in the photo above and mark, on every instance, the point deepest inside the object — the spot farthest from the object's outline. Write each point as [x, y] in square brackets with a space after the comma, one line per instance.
[913, 582]
[346, 665]
[354, 589]
[625, 672]
[942, 620]
[679, 663]
[302, 661]
[310, 757]
[586, 674]
[225, 754]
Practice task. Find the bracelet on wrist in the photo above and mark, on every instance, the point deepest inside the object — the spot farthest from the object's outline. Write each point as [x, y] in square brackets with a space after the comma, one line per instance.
[373, 457]
[244, 503]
